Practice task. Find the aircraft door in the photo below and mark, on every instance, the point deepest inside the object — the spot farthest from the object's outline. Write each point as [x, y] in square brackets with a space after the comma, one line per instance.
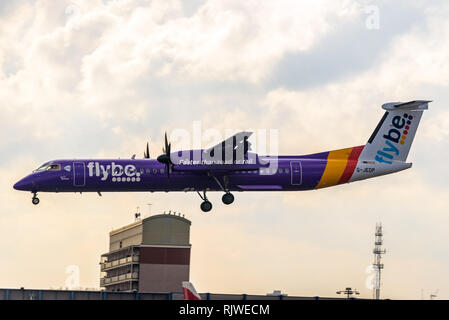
[79, 174]
[296, 172]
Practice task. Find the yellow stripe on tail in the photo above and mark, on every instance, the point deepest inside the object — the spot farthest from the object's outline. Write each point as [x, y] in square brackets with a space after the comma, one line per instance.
[336, 164]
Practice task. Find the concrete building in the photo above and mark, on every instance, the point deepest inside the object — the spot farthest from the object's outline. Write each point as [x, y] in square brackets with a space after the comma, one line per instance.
[45, 294]
[149, 255]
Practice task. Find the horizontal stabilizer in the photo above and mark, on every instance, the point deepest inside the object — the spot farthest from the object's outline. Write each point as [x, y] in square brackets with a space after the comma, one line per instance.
[411, 105]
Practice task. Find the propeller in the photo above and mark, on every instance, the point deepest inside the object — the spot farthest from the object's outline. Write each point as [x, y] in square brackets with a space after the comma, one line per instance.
[146, 153]
[165, 157]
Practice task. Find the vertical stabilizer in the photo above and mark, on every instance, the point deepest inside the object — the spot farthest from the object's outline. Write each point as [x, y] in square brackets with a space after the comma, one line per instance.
[189, 291]
[393, 136]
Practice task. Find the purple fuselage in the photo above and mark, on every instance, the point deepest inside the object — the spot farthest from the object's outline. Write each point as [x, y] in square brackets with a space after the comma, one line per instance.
[131, 175]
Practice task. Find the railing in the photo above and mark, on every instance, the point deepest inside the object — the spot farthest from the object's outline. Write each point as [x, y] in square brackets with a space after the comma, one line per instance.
[119, 262]
[120, 278]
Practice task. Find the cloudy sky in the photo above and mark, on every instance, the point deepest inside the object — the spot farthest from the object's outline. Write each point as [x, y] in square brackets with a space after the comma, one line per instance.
[93, 78]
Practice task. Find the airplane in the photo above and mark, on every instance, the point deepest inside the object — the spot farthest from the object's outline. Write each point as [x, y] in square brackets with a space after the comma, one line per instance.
[189, 291]
[230, 166]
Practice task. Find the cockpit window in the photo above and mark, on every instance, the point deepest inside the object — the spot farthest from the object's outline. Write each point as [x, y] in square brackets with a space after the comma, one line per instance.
[54, 167]
[47, 167]
[42, 167]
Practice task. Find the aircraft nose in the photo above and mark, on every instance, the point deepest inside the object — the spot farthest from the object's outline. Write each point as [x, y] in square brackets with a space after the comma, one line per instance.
[25, 184]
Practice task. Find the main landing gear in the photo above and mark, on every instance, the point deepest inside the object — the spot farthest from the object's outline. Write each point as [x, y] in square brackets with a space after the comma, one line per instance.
[206, 205]
[35, 199]
[227, 198]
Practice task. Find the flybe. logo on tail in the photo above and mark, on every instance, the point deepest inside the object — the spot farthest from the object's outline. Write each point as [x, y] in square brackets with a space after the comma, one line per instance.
[393, 138]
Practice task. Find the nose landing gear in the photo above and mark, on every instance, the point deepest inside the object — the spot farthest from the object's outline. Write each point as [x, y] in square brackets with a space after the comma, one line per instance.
[35, 199]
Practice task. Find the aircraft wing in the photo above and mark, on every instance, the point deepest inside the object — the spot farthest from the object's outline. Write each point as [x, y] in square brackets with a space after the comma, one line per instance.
[229, 155]
[250, 161]
[237, 144]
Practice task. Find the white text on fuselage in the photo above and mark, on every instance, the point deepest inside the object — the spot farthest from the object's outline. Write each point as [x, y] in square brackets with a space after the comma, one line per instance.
[119, 173]
[212, 162]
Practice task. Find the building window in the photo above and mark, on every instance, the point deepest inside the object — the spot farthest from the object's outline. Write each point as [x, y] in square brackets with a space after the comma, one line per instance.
[121, 244]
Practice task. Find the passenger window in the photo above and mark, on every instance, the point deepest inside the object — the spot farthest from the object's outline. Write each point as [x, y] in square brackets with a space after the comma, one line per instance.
[154, 171]
[148, 171]
[280, 170]
[287, 170]
[162, 170]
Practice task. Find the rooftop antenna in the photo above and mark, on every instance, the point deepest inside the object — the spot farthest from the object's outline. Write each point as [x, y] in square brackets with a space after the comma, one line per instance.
[137, 215]
[434, 295]
[377, 265]
[348, 292]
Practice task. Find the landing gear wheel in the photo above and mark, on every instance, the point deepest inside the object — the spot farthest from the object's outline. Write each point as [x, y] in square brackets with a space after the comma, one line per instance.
[206, 206]
[35, 200]
[227, 198]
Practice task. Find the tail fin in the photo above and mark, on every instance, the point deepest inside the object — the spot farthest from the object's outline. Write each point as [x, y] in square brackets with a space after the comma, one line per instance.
[393, 136]
[189, 291]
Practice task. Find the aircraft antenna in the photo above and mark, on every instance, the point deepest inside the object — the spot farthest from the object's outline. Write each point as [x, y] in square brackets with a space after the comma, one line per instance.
[377, 265]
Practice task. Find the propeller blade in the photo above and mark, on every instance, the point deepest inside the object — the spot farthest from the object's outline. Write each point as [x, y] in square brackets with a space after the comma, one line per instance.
[165, 156]
[166, 141]
[169, 152]
[146, 153]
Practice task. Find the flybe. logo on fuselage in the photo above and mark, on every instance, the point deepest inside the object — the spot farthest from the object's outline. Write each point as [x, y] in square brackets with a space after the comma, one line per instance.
[394, 139]
[118, 173]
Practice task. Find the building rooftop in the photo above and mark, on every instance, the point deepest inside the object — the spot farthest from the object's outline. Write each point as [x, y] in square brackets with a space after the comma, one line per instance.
[140, 221]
